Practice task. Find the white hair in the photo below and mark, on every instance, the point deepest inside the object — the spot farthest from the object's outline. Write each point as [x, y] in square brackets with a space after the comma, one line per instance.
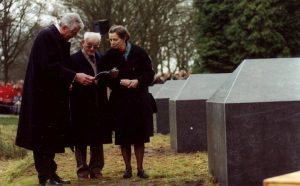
[71, 20]
[92, 35]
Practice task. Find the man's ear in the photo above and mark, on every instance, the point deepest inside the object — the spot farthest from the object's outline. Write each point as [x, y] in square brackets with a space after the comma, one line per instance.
[64, 28]
[81, 42]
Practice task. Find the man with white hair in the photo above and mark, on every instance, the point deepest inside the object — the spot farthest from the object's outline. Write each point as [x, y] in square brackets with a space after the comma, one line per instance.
[45, 118]
[88, 110]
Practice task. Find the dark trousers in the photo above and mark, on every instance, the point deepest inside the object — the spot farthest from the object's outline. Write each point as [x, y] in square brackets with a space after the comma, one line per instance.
[45, 165]
[96, 160]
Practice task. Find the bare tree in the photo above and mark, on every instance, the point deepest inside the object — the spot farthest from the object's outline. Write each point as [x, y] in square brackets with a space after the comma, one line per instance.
[183, 44]
[161, 27]
[18, 23]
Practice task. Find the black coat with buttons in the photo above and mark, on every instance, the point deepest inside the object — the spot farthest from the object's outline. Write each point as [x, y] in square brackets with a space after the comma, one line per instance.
[44, 118]
[89, 105]
[131, 108]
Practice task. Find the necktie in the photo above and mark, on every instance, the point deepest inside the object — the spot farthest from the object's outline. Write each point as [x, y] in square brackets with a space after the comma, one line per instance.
[92, 58]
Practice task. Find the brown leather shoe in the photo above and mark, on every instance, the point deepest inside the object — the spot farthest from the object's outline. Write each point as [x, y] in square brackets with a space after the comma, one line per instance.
[96, 175]
[82, 177]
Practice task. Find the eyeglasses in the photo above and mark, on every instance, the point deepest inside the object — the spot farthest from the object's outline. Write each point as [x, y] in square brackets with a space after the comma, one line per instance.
[92, 46]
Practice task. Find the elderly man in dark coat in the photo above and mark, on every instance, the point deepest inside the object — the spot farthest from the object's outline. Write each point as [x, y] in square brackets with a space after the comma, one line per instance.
[44, 117]
[88, 110]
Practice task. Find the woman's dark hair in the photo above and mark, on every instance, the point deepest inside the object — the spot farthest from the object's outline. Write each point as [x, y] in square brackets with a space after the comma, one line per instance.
[121, 31]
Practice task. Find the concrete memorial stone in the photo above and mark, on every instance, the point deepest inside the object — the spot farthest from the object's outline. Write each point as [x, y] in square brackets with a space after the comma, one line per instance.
[154, 89]
[188, 112]
[253, 122]
[167, 91]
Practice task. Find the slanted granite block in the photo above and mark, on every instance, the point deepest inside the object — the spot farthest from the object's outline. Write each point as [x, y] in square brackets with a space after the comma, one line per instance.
[188, 112]
[253, 122]
[154, 89]
[168, 90]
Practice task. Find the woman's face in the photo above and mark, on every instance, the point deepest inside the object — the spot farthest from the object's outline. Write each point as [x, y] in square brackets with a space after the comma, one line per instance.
[116, 42]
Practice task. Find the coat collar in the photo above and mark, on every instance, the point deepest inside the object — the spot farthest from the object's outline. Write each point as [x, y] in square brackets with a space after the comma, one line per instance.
[55, 30]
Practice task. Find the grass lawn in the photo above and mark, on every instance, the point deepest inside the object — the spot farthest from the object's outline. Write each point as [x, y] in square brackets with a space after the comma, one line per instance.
[164, 166]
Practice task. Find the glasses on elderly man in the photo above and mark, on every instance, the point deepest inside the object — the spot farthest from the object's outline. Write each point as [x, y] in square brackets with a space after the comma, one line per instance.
[92, 46]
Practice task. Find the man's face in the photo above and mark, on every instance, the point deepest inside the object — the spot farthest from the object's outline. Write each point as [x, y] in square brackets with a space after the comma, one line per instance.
[90, 45]
[68, 34]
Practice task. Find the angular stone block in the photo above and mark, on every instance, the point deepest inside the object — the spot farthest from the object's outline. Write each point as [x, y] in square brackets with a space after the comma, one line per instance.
[253, 122]
[154, 89]
[167, 91]
[188, 112]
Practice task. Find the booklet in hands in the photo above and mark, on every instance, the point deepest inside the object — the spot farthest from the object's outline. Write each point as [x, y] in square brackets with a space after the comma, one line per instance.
[113, 72]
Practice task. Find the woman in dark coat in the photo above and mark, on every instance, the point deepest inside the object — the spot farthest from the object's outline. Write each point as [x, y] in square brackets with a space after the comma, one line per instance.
[130, 100]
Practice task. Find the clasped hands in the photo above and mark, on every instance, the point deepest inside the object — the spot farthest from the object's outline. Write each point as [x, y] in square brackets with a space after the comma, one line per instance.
[133, 83]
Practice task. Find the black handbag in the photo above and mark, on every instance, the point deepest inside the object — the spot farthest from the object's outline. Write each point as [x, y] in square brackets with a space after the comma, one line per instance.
[153, 103]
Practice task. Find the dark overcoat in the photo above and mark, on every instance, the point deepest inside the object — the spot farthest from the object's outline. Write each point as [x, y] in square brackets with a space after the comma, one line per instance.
[131, 108]
[44, 118]
[89, 105]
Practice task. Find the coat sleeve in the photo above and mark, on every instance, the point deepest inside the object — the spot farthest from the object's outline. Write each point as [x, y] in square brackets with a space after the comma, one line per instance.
[147, 76]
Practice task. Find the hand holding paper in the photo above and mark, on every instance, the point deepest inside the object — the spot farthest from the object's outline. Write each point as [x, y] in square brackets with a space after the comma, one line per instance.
[113, 73]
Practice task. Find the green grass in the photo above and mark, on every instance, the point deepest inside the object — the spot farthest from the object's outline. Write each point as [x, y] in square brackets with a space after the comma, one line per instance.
[8, 128]
[164, 166]
[9, 120]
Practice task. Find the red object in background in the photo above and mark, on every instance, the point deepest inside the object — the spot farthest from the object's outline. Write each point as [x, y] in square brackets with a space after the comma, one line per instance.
[7, 95]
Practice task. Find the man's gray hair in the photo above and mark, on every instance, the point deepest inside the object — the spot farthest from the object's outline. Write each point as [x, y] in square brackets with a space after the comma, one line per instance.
[71, 20]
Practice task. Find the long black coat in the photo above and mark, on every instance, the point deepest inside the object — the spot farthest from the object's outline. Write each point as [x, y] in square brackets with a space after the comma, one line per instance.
[89, 105]
[44, 117]
[131, 108]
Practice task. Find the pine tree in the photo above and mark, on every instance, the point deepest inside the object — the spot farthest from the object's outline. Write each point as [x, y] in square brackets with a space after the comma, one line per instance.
[231, 31]
[213, 17]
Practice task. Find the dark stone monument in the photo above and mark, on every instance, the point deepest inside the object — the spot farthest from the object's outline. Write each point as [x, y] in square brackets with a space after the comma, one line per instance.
[253, 123]
[188, 112]
[101, 26]
[168, 90]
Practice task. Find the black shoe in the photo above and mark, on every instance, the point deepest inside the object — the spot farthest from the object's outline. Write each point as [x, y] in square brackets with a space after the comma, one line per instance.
[142, 174]
[43, 181]
[52, 181]
[127, 174]
[60, 180]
